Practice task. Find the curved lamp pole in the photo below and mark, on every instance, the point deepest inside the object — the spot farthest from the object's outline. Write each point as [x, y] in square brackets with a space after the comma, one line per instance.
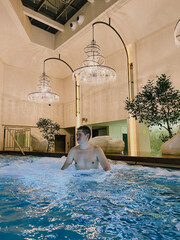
[131, 129]
[77, 89]
[176, 33]
[59, 59]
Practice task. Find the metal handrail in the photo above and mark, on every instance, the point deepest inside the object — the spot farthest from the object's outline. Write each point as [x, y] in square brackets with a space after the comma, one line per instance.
[10, 133]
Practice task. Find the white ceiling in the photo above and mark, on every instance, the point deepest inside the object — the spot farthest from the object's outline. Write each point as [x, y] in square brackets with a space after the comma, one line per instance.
[134, 20]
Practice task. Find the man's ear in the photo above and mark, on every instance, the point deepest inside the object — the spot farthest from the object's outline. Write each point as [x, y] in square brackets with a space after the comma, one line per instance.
[88, 135]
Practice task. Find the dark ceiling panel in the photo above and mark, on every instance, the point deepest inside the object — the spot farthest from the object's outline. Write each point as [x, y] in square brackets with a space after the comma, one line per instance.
[58, 10]
[43, 26]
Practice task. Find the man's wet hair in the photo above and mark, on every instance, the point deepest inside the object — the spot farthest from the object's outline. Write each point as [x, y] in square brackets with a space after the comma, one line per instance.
[85, 130]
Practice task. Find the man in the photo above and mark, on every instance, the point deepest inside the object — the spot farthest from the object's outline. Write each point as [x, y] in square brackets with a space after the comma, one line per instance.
[85, 155]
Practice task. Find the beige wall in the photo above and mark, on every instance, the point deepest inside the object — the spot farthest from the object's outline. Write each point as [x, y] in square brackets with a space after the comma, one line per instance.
[152, 55]
[15, 108]
[69, 102]
[104, 103]
[1, 97]
[157, 54]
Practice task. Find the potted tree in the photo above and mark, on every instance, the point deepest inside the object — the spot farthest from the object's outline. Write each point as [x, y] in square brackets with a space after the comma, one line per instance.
[48, 130]
[157, 105]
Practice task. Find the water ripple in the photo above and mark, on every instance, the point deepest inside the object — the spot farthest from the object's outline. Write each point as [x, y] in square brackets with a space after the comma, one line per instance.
[39, 201]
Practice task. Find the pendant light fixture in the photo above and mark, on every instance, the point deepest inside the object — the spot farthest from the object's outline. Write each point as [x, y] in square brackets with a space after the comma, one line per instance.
[93, 70]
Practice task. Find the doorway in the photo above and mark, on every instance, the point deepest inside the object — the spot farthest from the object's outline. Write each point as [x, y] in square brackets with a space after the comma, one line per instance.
[125, 139]
[100, 131]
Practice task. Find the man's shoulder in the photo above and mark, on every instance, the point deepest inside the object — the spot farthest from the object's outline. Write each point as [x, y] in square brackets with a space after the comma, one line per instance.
[96, 147]
[74, 149]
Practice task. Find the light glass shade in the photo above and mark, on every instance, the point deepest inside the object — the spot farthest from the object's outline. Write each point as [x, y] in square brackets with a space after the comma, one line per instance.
[95, 74]
[44, 91]
[93, 70]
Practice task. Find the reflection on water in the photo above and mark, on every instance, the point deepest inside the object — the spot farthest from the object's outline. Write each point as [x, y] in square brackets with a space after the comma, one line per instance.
[39, 201]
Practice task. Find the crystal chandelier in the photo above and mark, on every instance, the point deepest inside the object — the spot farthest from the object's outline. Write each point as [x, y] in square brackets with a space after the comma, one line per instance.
[44, 91]
[93, 70]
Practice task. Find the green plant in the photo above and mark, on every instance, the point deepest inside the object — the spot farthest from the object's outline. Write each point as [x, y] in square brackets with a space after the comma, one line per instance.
[157, 105]
[48, 130]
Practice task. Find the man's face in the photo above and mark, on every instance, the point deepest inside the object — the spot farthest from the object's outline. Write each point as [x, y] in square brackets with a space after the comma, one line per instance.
[81, 137]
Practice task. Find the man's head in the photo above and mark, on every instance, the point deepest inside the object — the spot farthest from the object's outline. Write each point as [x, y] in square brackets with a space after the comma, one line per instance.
[86, 130]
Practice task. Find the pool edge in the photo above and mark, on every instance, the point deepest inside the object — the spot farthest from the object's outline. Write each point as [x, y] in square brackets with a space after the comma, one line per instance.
[168, 162]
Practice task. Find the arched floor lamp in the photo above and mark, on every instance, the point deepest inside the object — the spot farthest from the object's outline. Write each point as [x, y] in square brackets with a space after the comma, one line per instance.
[90, 73]
[131, 128]
[44, 92]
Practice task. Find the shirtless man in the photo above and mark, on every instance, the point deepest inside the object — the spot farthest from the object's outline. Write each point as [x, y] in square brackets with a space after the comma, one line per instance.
[86, 155]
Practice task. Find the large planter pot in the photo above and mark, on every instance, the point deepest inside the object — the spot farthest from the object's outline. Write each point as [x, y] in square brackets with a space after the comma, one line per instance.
[172, 146]
[38, 144]
[108, 144]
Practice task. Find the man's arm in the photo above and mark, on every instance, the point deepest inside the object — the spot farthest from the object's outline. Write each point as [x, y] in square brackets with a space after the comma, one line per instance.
[102, 159]
[69, 159]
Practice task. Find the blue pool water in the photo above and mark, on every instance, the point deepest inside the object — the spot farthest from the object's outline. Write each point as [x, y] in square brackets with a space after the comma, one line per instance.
[38, 201]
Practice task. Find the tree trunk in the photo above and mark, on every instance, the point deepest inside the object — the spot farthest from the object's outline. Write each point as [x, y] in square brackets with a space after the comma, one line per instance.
[169, 129]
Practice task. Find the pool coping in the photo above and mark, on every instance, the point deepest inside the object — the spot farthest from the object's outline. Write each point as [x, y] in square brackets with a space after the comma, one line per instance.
[154, 161]
[168, 162]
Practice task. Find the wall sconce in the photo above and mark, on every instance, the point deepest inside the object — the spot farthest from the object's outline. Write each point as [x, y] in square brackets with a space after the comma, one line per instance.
[80, 19]
[73, 25]
[84, 119]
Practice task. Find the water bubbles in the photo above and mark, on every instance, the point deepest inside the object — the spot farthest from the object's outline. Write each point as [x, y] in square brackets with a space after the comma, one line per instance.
[39, 201]
[178, 226]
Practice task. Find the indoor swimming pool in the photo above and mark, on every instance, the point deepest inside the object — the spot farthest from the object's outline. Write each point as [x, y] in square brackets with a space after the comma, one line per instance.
[38, 201]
